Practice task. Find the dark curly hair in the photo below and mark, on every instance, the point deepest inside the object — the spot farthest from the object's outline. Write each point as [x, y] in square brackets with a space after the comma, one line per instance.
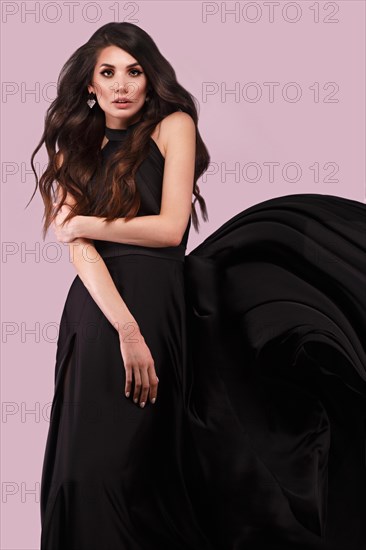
[79, 131]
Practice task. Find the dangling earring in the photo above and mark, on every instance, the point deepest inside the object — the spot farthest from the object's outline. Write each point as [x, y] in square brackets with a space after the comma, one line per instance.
[91, 99]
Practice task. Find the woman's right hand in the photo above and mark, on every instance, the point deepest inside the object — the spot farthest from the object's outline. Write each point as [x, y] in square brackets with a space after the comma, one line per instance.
[139, 364]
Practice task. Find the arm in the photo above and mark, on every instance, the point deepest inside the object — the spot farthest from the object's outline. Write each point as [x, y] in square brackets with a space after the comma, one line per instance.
[178, 132]
[94, 274]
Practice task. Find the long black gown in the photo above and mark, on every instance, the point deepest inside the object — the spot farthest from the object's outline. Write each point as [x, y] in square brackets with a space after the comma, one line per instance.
[257, 438]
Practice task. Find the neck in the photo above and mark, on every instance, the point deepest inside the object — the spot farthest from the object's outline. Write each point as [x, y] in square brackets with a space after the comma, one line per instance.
[115, 134]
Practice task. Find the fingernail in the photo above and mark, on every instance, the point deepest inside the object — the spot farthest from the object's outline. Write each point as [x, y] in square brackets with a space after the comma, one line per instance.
[135, 400]
[142, 404]
[128, 394]
[153, 400]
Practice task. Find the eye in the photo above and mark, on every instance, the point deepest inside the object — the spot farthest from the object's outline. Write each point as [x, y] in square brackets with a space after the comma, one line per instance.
[110, 71]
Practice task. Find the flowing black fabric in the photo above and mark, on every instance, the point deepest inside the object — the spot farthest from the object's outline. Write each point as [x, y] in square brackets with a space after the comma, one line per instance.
[277, 324]
[257, 438]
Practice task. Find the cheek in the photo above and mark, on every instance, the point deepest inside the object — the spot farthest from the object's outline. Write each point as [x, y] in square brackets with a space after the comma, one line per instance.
[142, 88]
[107, 91]
[100, 86]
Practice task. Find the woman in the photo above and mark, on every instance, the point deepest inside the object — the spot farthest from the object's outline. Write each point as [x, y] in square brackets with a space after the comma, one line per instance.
[212, 429]
[113, 474]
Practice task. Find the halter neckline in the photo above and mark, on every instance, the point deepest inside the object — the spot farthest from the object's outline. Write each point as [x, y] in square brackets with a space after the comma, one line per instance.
[116, 134]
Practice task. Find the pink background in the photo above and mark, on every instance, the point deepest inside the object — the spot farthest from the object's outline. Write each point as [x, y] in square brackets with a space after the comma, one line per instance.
[323, 50]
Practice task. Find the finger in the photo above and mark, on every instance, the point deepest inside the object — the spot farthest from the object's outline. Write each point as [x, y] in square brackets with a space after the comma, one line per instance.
[137, 388]
[154, 381]
[145, 387]
[128, 383]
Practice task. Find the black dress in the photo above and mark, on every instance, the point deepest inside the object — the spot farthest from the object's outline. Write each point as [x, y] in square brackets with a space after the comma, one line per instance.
[257, 438]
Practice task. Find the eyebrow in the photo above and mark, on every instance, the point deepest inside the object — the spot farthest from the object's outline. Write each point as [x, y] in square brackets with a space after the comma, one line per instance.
[113, 67]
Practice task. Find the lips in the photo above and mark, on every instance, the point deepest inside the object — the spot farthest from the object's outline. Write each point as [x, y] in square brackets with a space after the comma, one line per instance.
[121, 100]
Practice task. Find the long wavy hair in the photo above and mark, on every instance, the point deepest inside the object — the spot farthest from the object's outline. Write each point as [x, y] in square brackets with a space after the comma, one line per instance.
[79, 131]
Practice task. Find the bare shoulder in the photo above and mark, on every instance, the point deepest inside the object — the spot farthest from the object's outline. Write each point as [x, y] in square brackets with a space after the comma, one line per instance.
[176, 124]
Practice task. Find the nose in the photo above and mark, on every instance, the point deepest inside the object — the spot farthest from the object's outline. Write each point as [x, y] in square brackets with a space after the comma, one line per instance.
[127, 87]
[121, 85]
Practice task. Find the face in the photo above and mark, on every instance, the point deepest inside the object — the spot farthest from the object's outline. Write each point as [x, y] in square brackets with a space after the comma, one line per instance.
[118, 75]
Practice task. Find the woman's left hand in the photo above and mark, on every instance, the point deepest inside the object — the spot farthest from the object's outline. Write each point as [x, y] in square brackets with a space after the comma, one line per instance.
[67, 232]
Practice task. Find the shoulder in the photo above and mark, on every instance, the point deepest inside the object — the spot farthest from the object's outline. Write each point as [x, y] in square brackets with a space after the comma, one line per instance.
[177, 122]
[177, 127]
[177, 119]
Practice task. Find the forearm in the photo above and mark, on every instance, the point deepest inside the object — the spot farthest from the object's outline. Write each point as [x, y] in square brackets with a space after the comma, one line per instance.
[94, 274]
[154, 231]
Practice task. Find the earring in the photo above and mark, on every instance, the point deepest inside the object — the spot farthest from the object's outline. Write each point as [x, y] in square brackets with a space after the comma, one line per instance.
[147, 98]
[91, 101]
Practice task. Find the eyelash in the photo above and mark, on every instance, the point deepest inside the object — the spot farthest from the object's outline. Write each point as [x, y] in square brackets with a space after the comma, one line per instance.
[109, 71]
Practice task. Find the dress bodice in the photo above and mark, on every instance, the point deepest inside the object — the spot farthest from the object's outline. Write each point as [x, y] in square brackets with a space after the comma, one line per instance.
[149, 180]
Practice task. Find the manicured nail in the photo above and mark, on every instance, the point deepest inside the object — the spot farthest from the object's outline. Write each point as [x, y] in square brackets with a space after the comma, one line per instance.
[128, 394]
[153, 400]
[142, 404]
[135, 400]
